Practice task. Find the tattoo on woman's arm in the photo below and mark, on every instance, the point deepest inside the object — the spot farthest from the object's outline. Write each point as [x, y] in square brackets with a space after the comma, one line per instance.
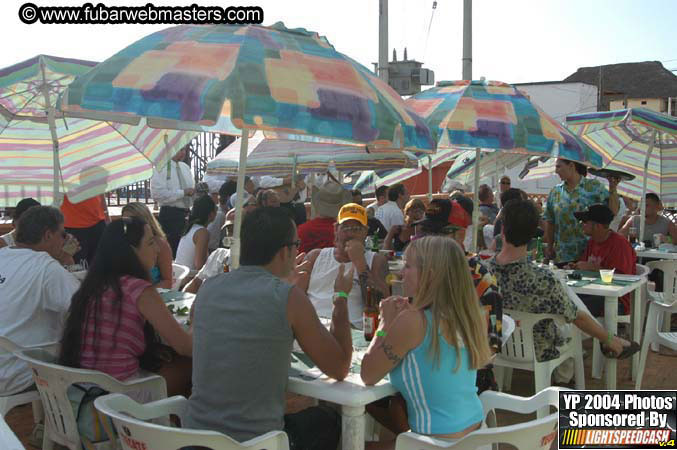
[388, 350]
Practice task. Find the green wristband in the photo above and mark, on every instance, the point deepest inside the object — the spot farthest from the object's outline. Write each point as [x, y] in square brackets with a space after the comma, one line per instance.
[609, 338]
[341, 294]
[381, 333]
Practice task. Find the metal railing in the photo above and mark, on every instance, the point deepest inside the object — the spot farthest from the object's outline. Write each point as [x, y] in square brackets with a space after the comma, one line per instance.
[203, 148]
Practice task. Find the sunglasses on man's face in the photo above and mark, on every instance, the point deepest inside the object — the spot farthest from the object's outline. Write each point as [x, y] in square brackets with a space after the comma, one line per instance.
[505, 182]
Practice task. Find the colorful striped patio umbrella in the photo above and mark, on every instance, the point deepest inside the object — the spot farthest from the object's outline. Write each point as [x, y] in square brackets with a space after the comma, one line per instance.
[637, 141]
[369, 180]
[492, 164]
[491, 115]
[278, 157]
[237, 79]
[42, 154]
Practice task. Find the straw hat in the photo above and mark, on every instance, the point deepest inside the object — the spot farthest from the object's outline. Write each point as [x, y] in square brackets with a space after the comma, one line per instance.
[328, 199]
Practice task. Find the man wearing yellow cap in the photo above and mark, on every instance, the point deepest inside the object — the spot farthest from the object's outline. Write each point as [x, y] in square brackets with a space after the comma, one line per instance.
[371, 268]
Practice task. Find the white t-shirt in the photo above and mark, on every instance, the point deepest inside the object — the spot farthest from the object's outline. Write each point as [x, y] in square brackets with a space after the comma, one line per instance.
[390, 214]
[35, 294]
[214, 264]
[321, 286]
[622, 209]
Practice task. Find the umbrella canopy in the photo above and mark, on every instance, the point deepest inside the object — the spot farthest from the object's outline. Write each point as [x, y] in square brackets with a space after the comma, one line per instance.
[637, 141]
[279, 157]
[491, 115]
[228, 78]
[493, 164]
[369, 180]
[236, 79]
[623, 139]
[40, 152]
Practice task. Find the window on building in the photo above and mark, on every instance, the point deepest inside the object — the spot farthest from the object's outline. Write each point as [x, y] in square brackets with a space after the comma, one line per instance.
[643, 102]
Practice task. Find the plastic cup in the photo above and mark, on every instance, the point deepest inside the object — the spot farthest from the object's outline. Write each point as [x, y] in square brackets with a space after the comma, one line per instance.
[606, 275]
[657, 240]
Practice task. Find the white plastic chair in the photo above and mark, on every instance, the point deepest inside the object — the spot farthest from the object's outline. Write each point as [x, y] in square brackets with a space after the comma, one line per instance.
[8, 440]
[7, 402]
[53, 381]
[519, 353]
[488, 233]
[179, 273]
[130, 418]
[653, 335]
[669, 294]
[534, 434]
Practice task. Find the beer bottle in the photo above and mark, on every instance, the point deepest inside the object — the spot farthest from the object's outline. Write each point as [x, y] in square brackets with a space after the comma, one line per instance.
[370, 314]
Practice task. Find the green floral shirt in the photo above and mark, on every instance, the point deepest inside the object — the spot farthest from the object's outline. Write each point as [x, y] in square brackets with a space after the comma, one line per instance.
[532, 289]
[570, 241]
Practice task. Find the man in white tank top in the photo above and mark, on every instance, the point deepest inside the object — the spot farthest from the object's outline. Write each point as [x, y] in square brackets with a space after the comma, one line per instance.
[323, 264]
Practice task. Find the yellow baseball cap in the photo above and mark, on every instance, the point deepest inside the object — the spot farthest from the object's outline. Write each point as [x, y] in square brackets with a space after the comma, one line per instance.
[352, 211]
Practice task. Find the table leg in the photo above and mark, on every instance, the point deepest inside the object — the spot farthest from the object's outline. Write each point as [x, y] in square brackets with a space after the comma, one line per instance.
[611, 323]
[352, 431]
[636, 319]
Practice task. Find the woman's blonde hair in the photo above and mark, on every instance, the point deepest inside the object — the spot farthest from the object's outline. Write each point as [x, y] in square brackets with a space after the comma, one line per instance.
[140, 210]
[446, 287]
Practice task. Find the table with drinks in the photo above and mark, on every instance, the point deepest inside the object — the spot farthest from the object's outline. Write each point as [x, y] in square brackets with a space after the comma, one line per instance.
[611, 286]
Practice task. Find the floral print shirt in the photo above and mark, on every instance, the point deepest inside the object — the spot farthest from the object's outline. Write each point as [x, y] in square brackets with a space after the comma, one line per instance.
[532, 289]
[570, 241]
[490, 298]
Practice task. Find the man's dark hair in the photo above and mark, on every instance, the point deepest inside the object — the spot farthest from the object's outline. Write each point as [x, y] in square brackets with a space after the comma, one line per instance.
[484, 192]
[35, 222]
[464, 201]
[654, 197]
[510, 194]
[264, 232]
[226, 190]
[23, 206]
[520, 221]
[381, 191]
[395, 191]
[355, 192]
[580, 168]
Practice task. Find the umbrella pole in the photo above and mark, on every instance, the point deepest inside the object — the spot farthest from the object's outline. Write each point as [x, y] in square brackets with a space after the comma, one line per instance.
[242, 167]
[56, 198]
[293, 172]
[430, 179]
[642, 214]
[476, 201]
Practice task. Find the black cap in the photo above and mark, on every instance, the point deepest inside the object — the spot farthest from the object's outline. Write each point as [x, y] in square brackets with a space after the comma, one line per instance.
[598, 213]
[442, 212]
[23, 206]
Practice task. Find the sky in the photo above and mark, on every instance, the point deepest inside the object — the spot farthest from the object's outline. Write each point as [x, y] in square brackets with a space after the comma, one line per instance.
[514, 41]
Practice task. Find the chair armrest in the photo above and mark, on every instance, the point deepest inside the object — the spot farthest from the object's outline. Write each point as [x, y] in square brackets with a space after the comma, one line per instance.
[254, 442]
[492, 400]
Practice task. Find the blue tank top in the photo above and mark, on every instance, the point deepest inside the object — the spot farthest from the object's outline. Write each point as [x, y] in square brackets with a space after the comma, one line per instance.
[155, 275]
[439, 400]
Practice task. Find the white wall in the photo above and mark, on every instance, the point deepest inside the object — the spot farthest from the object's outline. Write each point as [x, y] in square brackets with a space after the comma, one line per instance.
[558, 100]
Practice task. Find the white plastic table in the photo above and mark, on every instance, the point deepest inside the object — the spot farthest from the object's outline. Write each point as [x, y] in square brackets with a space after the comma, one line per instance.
[611, 294]
[8, 440]
[351, 394]
[656, 254]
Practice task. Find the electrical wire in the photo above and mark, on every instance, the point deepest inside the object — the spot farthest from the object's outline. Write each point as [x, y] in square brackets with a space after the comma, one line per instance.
[430, 24]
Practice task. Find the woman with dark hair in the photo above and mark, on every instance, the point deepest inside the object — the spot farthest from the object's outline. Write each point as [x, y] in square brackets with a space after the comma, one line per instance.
[114, 316]
[193, 247]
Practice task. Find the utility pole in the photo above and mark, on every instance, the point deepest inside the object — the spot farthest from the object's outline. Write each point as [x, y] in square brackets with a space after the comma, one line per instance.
[467, 39]
[383, 40]
[600, 96]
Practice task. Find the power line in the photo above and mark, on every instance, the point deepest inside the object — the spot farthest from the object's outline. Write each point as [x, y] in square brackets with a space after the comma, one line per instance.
[430, 24]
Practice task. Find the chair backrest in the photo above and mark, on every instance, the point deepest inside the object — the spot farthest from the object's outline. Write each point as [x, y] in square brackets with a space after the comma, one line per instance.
[488, 233]
[8, 440]
[520, 345]
[642, 270]
[534, 434]
[53, 381]
[179, 273]
[129, 419]
[669, 269]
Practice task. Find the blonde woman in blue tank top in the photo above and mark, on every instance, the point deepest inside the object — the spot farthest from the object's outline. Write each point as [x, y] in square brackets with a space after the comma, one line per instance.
[433, 346]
